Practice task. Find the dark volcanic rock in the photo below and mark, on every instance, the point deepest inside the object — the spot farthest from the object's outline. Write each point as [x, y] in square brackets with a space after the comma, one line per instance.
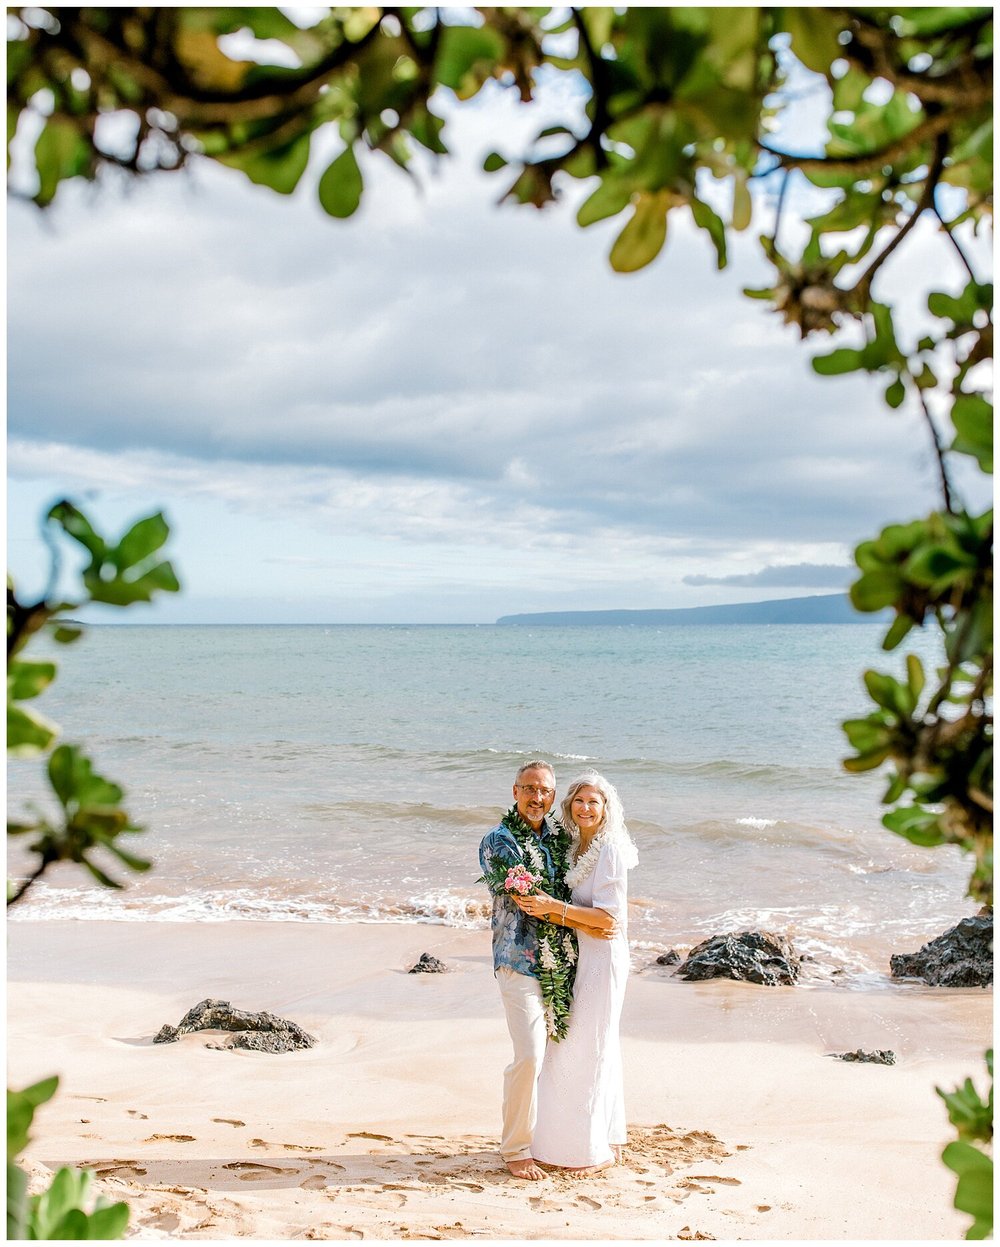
[427, 965]
[751, 956]
[260, 1032]
[961, 957]
[672, 958]
[881, 1056]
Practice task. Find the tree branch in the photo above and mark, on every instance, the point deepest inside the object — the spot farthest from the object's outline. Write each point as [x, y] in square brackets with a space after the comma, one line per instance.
[954, 242]
[33, 878]
[862, 285]
[938, 451]
[870, 161]
[870, 48]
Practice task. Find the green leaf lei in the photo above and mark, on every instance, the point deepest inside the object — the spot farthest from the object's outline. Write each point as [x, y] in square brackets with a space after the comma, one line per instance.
[555, 968]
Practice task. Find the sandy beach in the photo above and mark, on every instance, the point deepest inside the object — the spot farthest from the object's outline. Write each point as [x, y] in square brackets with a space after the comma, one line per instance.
[741, 1125]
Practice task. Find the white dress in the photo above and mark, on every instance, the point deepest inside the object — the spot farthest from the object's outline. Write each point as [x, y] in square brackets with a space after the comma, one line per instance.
[581, 1102]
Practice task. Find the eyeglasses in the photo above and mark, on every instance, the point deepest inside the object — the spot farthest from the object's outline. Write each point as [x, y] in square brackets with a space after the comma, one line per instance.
[534, 791]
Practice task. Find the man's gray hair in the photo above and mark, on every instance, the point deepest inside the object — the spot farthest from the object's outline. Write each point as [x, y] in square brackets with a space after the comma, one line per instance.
[539, 764]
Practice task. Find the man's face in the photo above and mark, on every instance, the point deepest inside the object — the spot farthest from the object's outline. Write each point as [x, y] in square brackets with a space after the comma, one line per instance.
[534, 793]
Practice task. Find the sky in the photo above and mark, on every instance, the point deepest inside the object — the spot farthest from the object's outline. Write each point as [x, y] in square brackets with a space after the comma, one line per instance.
[441, 410]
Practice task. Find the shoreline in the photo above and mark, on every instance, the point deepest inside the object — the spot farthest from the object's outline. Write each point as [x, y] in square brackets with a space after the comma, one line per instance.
[741, 1125]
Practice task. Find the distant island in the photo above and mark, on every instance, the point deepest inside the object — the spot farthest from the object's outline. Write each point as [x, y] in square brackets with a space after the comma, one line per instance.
[827, 608]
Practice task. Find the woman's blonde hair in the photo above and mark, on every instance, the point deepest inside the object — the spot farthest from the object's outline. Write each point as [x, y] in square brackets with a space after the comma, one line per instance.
[612, 828]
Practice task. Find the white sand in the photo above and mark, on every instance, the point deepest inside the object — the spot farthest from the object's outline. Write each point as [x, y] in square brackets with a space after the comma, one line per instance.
[741, 1127]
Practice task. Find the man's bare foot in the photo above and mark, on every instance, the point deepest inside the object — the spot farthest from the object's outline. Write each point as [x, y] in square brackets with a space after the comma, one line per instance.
[526, 1169]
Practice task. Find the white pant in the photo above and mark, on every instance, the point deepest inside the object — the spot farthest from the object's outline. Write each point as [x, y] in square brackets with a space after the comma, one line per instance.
[522, 1002]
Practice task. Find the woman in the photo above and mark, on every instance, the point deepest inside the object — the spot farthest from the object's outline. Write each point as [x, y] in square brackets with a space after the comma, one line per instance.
[581, 1109]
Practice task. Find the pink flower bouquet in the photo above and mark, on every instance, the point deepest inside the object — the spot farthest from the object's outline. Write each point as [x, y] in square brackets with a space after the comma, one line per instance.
[521, 880]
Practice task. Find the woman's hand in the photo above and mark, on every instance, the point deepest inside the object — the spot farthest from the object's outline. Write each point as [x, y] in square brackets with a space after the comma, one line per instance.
[538, 905]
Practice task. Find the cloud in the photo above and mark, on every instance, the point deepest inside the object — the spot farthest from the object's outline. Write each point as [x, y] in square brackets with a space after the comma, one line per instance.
[785, 576]
[468, 383]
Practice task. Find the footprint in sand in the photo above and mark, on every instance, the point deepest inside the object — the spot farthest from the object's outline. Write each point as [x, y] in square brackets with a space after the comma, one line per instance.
[316, 1183]
[364, 1134]
[117, 1167]
[763, 1207]
[541, 1204]
[134, 1112]
[711, 1177]
[171, 1138]
[229, 1121]
[588, 1203]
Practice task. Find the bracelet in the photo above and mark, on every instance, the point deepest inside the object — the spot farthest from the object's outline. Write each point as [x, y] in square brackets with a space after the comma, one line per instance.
[562, 920]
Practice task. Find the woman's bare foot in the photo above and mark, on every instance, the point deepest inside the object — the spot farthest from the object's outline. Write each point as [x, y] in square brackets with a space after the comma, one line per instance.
[579, 1171]
[526, 1169]
[619, 1152]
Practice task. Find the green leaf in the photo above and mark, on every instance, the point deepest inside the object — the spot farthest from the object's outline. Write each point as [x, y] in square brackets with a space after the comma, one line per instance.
[867, 735]
[76, 524]
[966, 1111]
[466, 56]
[279, 168]
[844, 359]
[61, 152]
[889, 693]
[976, 297]
[65, 634]
[814, 36]
[75, 783]
[21, 1107]
[612, 196]
[974, 1193]
[898, 630]
[101, 876]
[972, 417]
[915, 824]
[17, 1203]
[108, 1223]
[709, 220]
[742, 203]
[426, 129]
[122, 592]
[915, 677]
[936, 565]
[866, 761]
[876, 590]
[643, 237]
[26, 678]
[493, 162]
[341, 185]
[896, 393]
[28, 732]
[141, 540]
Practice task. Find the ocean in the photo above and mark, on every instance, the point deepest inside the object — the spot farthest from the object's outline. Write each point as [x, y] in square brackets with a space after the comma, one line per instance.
[332, 774]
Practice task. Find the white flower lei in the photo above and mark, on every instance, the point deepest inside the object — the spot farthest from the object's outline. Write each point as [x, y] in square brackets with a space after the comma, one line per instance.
[584, 864]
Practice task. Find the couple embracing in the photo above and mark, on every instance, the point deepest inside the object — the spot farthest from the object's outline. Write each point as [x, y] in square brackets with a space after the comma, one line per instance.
[561, 958]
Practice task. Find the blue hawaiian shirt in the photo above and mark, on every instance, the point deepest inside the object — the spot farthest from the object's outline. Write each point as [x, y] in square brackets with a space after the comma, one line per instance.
[515, 934]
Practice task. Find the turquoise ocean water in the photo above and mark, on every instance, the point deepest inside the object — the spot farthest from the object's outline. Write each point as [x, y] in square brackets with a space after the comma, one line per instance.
[345, 773]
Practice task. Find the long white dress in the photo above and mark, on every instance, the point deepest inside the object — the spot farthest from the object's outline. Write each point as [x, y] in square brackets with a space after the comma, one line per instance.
[581, 1102]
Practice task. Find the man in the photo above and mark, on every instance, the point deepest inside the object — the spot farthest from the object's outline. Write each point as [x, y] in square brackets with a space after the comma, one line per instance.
[515, 949]
[515, 955]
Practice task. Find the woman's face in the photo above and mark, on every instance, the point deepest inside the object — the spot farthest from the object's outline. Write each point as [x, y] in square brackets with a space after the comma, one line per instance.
[587, 808]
